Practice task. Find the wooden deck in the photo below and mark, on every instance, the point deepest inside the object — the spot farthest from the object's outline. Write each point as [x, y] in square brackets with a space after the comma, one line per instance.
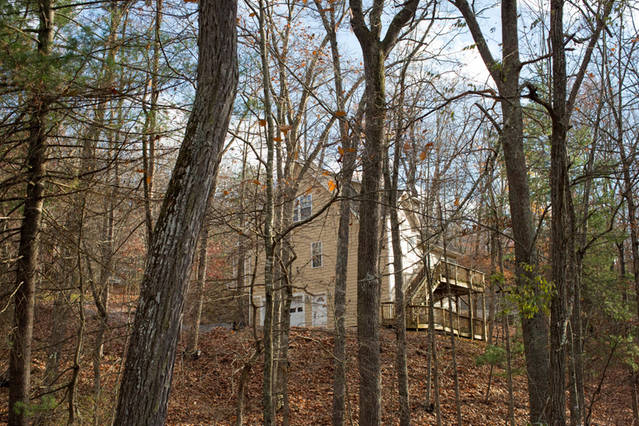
[417, 319]
[460, 285]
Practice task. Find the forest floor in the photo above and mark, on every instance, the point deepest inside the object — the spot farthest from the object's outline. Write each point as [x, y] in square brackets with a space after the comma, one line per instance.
[205, 390]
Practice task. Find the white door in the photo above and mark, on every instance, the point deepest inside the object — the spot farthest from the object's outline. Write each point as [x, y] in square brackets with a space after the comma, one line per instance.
[298, 316]
[319, 311]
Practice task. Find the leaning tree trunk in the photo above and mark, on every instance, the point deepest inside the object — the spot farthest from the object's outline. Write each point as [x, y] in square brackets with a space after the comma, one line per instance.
[20, 356]
[146, 382]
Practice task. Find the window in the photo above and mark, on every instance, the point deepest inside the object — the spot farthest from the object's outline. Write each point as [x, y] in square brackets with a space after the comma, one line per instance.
[303, 207]
[316, 254]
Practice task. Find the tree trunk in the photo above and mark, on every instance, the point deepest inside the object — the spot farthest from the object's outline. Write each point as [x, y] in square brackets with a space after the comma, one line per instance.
[564, 260]
[506, 77]
[343, 232]
[374, 53]
[509, 372]
[368, 283]
[269, 249]
[101, 300]
[194, 336]
[559, 243]
[101, 293]
[241, 390]
[431, 337]
[20, 355]
[75, 369]
[150, 139]
[398, 268]
[450, 317]
[150, 357]
[633, 220]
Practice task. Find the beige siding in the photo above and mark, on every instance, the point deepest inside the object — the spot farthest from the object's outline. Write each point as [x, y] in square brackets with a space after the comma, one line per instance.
[320, 280]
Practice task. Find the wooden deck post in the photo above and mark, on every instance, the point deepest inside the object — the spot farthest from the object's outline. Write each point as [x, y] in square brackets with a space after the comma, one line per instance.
[458, 324]
[457, 302]
[470, 309]
[483, 312]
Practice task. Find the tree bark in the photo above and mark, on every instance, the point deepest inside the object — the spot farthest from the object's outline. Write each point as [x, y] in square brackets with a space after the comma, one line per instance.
[269, 249]
[150, 357]
[194, 335]
[506, 77]
[559, 243]
[20, 355]
[633, 219]
[432, 343]
[564, 258]
[450, 315]
[343, 231]
[150, 139]
[390, 183]
[374, 53]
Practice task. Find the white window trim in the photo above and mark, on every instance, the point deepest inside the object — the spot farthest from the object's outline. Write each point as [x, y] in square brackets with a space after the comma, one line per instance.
[297, 207]
[321, 254]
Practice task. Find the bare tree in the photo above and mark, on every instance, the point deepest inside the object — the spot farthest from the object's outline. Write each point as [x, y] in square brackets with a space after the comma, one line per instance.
[506, 75]
[563, 233]
[375, 51]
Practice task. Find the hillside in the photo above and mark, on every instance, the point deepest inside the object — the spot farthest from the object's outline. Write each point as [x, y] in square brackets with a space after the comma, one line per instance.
[204, 390]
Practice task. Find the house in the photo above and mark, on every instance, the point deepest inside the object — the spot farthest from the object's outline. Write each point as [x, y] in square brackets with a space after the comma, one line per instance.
[458, 290]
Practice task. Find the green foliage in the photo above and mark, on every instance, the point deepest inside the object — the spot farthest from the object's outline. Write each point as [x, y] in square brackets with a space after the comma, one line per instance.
[533, 294]
[624, 347]
[47, 403]
[498, 280]
[494, 355]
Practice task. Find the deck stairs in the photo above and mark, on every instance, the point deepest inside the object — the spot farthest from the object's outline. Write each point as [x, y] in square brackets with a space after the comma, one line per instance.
[458, 295]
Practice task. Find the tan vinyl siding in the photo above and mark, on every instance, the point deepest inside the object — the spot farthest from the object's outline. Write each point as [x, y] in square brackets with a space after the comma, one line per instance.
[321, 280]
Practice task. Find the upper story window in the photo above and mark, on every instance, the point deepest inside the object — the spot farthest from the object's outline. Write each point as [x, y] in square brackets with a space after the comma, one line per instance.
[316, 254]
[303, 207]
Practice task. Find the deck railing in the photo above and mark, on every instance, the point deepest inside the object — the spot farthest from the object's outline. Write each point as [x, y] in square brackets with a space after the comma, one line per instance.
[417, 318]
[459, 275]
